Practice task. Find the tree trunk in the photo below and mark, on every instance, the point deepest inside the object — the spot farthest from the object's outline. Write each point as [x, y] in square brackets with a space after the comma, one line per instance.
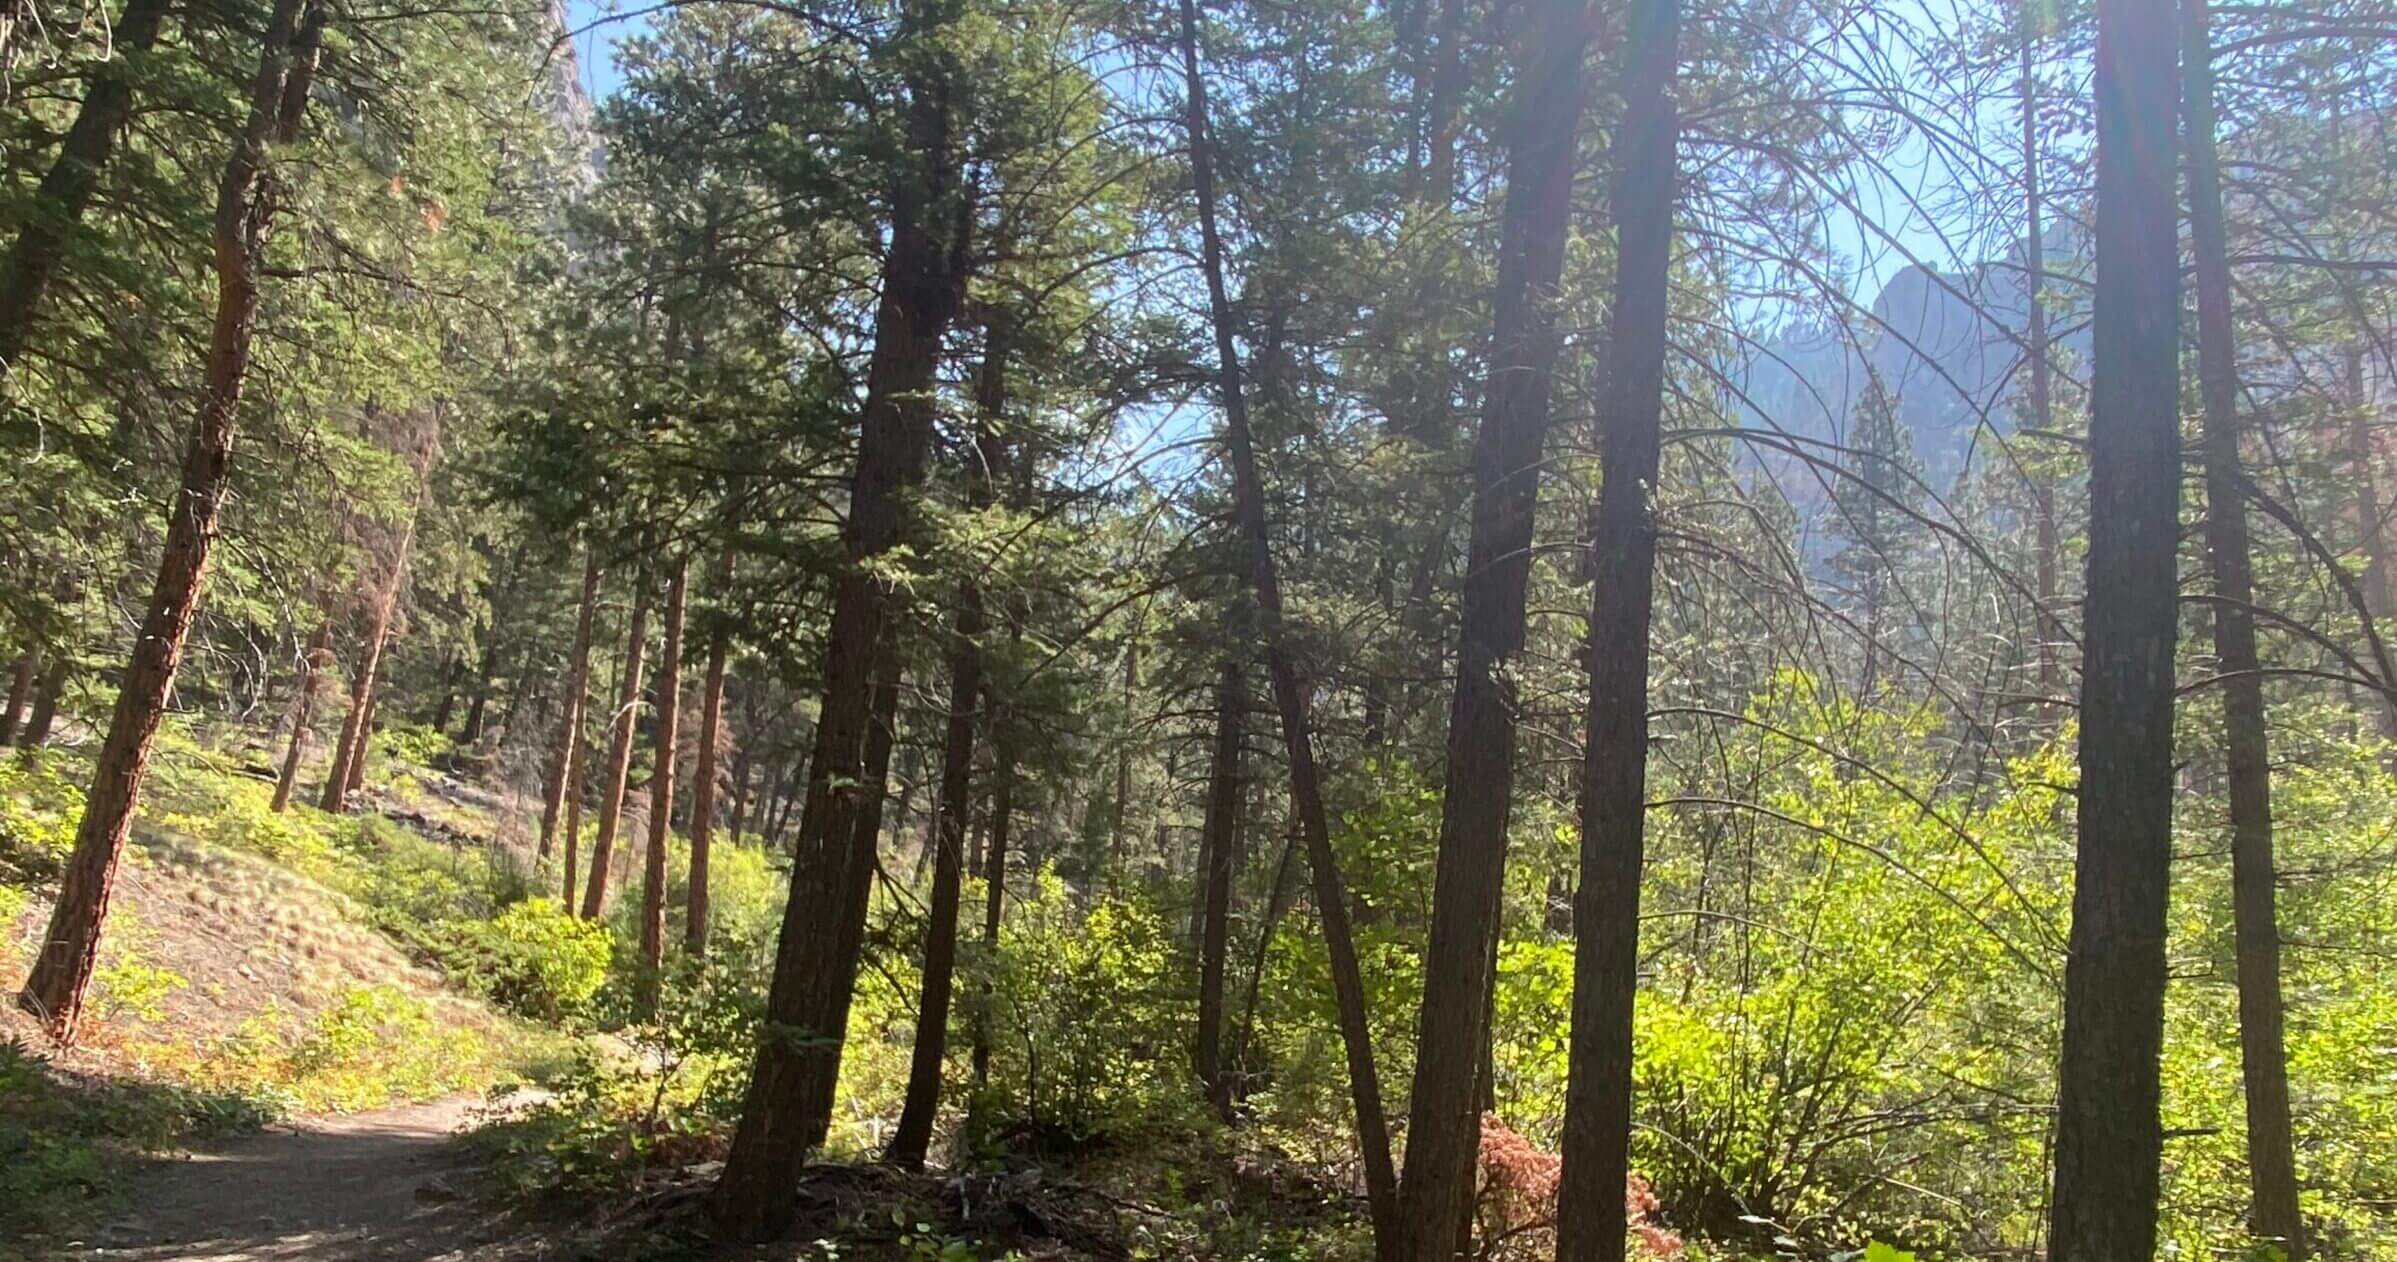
[788, 1104]
[570, 713]
[303, 711]
[1216, 868]
[74, 177]
[2109, 1136]
[245, 204]
[661, 796]
[703, 778]
[46, 697]
[621, 725]
[1592, 1220]
[994, 876]
[2271, 1159]
[912, 1138]
[1444, 1126]
[349, 757]
[20, 691]
[366, 731]
[1290, 699]
[739, 814]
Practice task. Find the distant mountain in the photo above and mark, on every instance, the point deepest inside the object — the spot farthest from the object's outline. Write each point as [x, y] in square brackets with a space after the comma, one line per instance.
[1947, 346]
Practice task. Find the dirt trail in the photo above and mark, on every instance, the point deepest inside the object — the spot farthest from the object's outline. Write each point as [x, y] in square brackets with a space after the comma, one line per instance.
[370, 1186]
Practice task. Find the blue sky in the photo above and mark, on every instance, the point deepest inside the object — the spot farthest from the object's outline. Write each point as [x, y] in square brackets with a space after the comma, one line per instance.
[594, 48]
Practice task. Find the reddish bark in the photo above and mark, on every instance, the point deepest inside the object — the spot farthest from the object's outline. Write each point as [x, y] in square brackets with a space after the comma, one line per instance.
[621, 724]
[570, 713]
[246, 200]
[661, 795]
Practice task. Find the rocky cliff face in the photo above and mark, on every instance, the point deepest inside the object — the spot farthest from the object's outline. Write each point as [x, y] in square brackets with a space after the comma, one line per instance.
[1947, 346]
[569, 109]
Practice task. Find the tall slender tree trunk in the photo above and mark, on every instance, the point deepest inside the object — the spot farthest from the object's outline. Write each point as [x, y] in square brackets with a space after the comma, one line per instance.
[2109, 1134]
[994, 876]
[661, 794]
[46, 697]
[1443, 1127]
[2264, 1070]
[739, 814]
[566, 747]
[788, 1105]
[20, 690]
[303, 711]
[1216, 867]
[349, 757]
[66, 191]
[366, 732]
[245, 204]
[1281, 664]
[621, 726]
[911, 1140]
[703, 779]
[1591, 1217]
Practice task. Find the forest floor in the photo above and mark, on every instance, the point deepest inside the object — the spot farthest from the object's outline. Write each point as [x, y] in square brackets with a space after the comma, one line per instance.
[363, 1186]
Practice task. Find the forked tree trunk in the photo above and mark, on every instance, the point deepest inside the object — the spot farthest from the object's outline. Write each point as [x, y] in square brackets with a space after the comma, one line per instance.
[788, 1105]
[1444, 1124]
[2109, 1134]
[2263, 1058]
[1216, 867]
[621, 725]
[703, 778]
[303, 712]
[74, 178]
[661, 796]
[1289, 690]
[245, 204]
[1592, 1220]
[366, 731]
[570, 714]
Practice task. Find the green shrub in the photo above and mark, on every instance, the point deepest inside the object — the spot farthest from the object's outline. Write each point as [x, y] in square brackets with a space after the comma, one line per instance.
[535, 957]
[39, 808]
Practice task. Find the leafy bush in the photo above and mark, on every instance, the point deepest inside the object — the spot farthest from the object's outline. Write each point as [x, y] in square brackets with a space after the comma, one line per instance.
[39, 808]
[372, 1046]
[535, 957]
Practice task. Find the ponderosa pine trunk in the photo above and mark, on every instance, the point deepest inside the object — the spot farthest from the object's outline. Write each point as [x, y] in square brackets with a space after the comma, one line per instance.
[2109, 1133]
[661, 796]
[20, 691]
[621, 726]
[73, 179]
[788, 1105]
[245, 204]
[1592, 1221]
[994, 877]
[303, 712]
[349, 756]
[567, 744]
[2263, 1057]
[1444, 1123]
[911, 1139]
[703, 775]
[1216, 868]
[1281, 666]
